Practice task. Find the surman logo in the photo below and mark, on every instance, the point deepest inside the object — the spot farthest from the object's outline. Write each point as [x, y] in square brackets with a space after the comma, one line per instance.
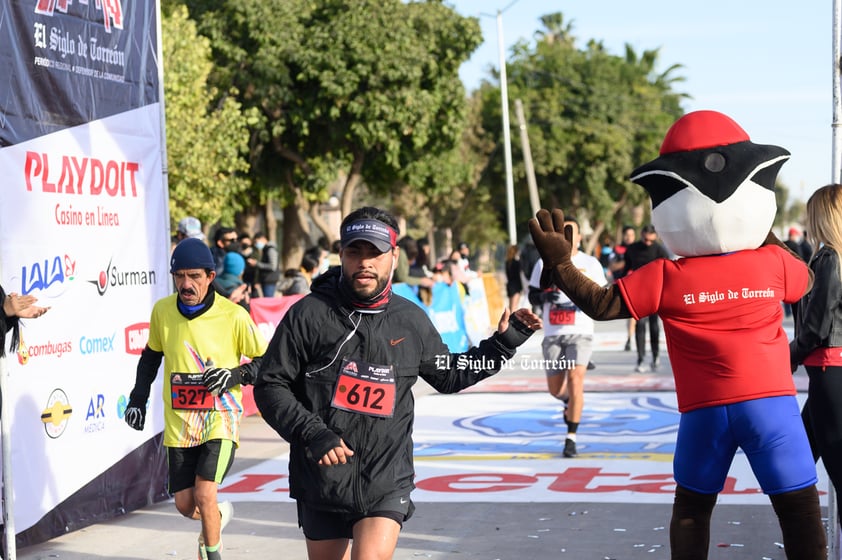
[113, 277]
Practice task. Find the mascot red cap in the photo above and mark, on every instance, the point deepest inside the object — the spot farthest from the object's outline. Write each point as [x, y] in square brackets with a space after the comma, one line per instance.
[712, 188]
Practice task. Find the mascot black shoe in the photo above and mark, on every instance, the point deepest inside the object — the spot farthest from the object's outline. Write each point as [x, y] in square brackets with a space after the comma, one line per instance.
[713, 204]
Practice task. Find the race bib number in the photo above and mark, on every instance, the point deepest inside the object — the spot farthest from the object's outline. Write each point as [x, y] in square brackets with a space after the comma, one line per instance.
[562, 314]
[189, 393]
[365, 389]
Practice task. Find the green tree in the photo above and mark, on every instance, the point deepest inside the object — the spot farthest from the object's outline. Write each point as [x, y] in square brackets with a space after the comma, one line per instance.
[207, 136]
[359, 90]
[592, 117]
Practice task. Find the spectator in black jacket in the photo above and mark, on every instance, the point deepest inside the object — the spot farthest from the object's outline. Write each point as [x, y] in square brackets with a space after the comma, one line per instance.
[224, 240]
[818, 333]
[638, 254]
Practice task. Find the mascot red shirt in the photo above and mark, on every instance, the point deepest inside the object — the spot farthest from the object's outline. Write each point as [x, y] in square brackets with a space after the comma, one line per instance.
[713, 204]
[713, 199]
[724, 334]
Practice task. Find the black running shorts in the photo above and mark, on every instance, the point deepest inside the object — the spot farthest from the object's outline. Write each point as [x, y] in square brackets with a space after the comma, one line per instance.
[211, 461]
[320, 525]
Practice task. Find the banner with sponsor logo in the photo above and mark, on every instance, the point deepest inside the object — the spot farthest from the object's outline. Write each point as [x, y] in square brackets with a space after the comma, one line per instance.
[85, 229]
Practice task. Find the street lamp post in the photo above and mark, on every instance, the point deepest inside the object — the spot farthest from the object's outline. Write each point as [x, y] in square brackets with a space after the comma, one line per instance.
[507, 140]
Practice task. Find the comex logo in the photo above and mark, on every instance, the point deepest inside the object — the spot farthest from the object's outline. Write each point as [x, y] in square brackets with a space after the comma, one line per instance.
[97, 344]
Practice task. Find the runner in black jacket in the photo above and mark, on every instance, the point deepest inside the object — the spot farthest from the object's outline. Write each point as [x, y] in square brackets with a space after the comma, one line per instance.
[336, 384]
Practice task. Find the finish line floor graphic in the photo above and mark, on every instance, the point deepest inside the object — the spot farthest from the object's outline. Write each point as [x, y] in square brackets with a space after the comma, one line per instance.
[504, 447]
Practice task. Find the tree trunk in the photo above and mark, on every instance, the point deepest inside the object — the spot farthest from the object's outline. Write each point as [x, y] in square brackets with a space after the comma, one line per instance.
[354, 178]
[296, 230]
[593, 239]
[321, 224]
[271, 230]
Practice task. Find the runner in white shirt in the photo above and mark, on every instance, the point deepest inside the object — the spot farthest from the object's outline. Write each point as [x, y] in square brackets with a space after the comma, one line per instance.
[568, 338]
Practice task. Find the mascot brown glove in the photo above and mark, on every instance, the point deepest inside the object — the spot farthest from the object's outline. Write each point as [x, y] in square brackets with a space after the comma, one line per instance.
[554, 242]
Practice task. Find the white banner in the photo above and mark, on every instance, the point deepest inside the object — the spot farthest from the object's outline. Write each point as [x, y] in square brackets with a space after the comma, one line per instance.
[84, 227]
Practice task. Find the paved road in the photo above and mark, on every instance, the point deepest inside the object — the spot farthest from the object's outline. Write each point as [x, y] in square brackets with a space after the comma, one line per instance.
[546, 522]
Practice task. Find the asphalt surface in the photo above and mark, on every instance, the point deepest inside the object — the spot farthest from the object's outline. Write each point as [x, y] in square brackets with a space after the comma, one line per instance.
[622, 530]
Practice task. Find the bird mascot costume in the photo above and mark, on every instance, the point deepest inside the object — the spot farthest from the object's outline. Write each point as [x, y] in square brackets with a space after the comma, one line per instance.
[713, 204]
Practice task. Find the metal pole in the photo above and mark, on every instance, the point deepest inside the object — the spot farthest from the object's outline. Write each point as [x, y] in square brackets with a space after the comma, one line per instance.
[534, 201]
[8, 488]
[507, 141]
[836, 160]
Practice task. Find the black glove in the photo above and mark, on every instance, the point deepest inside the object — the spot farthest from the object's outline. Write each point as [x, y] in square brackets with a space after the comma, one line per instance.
[218, 380]
[135, 414]
[326, 440]
[517, 333]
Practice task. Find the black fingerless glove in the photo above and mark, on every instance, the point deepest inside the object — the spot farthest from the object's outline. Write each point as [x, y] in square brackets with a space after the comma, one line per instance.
[516, 334]
[322, 443]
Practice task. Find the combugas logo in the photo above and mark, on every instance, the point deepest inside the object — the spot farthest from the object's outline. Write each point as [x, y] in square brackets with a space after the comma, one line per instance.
[111, 276]
[51, 348]
[56, 414]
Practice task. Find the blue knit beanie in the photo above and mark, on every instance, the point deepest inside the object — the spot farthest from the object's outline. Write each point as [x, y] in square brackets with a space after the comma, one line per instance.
[191, 253]
[234, 263]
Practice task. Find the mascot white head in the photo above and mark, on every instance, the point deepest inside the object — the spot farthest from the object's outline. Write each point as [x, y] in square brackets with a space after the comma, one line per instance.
[712, 188]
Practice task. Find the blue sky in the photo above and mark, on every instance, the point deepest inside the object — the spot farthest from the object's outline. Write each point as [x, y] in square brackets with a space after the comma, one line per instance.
[765, 63]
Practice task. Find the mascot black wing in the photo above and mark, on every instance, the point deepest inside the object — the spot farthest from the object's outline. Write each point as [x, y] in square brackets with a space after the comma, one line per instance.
[712, 192]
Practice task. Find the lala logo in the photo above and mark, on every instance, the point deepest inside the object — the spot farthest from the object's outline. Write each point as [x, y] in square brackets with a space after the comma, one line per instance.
[41, 276]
